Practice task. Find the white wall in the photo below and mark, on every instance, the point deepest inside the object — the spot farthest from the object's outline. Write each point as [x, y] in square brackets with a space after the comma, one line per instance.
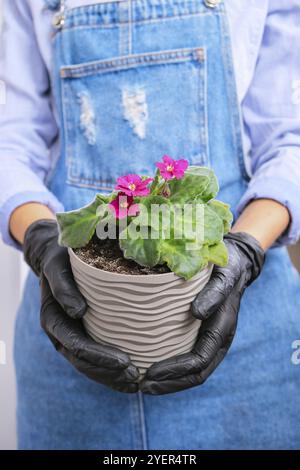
[10, 292]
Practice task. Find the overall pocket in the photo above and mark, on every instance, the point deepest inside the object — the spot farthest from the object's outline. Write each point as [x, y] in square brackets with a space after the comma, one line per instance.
[123, 114]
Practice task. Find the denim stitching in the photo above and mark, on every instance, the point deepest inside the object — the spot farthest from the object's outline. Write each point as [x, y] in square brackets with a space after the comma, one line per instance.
[137, 423]
[135, 22]
[124, 28]
[203, 114]
[159, 10]
[160, 57]
[235, 121]
[99, 185]
[131, 61]
[142, 421]
[130, 28]
[106, 185]
[66, 124]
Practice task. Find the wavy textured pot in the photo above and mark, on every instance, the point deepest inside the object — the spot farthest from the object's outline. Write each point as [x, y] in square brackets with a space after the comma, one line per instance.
[148, 316]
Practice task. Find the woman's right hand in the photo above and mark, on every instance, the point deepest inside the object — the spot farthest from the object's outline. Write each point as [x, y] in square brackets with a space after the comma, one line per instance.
[63, 307]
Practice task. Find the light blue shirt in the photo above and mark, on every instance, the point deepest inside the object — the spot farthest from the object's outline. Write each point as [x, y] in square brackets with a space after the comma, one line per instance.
[265, 39]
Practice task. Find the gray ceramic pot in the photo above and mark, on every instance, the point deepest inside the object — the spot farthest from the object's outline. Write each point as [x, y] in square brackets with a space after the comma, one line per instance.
[148, 316]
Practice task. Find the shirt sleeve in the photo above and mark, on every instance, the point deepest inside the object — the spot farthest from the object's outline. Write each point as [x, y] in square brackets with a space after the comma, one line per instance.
[28, 127]
[271, 112]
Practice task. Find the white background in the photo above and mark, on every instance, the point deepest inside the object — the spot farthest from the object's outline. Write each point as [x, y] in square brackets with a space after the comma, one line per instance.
[12, 274]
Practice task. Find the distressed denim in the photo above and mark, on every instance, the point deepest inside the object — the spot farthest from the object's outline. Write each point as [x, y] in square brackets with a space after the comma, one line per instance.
[135, 80]
[270, 114]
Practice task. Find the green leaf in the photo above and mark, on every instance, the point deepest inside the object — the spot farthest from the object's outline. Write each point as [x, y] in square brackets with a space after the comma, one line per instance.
[199, 184]
[77, 227]
[145, 205]
[218, 254]
[213, 226]
[153, 199]
[102, 199]
[223, 211]
[155, 185]
[188, 188]
[185, 255]
[212, 189]
[183, 261]
[109, 198]
[145, 252]
[150, 241]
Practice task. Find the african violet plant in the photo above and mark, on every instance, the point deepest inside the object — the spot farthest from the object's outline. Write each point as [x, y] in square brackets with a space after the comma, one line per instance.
[181, 195]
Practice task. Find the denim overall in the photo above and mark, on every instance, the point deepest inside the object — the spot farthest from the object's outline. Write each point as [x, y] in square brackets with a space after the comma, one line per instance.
[134, 80]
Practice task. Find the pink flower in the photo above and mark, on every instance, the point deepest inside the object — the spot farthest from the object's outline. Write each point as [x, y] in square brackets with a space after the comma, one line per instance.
[172, 168]
[133, 185]
[123, 206]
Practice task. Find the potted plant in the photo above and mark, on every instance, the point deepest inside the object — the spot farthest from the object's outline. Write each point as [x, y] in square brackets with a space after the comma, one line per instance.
[141, 254]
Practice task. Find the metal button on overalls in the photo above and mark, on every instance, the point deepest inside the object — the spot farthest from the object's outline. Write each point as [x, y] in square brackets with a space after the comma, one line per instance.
[212, 3]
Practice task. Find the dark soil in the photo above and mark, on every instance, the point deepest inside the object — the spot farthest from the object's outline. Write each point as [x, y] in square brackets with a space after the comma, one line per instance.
[107, 255]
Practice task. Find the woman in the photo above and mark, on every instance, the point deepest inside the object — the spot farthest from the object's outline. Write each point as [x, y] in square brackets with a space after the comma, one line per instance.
[95, 91]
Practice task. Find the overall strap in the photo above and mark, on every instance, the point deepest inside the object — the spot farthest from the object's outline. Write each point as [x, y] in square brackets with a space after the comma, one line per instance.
[52, 4]
[60, 4]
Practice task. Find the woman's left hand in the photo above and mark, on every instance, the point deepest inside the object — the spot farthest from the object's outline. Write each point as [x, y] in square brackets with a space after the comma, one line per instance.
[217, 305]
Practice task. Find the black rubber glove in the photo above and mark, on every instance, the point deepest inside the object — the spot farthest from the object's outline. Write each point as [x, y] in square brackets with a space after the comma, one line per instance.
[217, 305]
[62, 308]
